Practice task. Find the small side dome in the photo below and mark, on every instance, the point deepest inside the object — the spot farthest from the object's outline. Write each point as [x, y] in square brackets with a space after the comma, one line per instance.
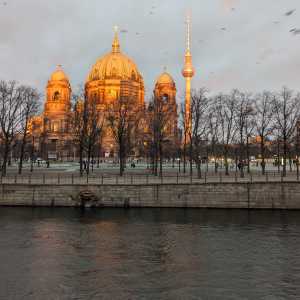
[165, 78]
[59, 75]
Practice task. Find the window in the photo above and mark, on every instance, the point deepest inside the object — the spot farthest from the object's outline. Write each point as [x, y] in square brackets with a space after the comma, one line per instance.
[133, 77]
[56, 95]
[165, 98]
[55, 126]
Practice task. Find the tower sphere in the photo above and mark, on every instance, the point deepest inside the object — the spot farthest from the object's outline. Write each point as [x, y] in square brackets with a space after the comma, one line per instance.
[188, 70]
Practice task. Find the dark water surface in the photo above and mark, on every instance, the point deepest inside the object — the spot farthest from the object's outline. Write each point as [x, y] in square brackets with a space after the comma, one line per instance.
[149, 254]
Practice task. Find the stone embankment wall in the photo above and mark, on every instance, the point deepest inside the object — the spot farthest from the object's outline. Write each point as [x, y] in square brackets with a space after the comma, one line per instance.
[281, 195]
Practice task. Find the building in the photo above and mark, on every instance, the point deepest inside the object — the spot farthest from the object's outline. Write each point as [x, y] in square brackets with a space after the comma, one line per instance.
[114, 76]
[165, 90]
[51, 131]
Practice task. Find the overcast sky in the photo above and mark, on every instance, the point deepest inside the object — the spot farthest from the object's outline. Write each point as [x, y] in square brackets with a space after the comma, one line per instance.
[255, 50]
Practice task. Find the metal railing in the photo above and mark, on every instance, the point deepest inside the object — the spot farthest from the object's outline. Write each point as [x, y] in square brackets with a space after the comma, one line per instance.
[141, 179]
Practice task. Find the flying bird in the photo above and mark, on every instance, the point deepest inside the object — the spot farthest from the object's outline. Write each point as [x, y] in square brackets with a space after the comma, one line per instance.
[290, 12]
[295, 31]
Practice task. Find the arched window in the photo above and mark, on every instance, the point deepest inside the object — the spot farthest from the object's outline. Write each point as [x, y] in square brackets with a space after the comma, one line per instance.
[55, 126]
[56, 95]
[165, 98]
[133, 77]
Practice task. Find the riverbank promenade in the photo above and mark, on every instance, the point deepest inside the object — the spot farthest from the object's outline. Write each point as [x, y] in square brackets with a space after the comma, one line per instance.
[61, 185]
[108, 173]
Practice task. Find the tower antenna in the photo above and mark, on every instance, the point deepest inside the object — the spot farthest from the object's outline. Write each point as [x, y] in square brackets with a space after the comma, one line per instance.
[188, 31]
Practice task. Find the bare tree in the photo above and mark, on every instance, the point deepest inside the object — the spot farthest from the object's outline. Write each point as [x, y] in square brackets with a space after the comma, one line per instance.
[213, 133]
[10, 116]
[79, 126]
[160, 119]
[200, 124]
[94, 129]
[28, 108]
[225, 107]
[123, 119]
[264, 122]
[243, 112]
[184, 134]
[287, 109]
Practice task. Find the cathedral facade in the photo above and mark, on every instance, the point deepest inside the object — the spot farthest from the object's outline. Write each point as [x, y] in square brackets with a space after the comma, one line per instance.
[114, 76]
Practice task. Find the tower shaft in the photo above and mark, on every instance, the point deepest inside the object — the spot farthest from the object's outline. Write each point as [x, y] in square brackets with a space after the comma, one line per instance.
[188, 72]
[188, 113]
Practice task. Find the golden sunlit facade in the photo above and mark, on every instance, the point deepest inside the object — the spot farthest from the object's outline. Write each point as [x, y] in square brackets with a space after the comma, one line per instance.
[112, 77]
[165, 90]
[51, 130]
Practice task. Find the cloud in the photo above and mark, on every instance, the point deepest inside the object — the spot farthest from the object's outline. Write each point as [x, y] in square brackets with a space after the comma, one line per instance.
[37, 35]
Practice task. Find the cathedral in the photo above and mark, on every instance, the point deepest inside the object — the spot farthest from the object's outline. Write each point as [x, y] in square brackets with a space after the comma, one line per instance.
[113, 76]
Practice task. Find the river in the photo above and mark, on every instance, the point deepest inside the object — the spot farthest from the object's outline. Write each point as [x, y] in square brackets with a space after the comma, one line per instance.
[149, 254]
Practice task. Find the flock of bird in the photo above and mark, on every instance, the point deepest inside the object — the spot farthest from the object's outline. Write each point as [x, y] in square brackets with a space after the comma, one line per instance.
[294, 31]
[152, 12]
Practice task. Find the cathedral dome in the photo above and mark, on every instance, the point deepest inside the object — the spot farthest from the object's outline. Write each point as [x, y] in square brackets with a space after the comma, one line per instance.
[165, 78]
[114, 65]
[59, 75]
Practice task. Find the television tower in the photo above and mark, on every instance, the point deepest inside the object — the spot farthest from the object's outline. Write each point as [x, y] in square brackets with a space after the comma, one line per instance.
[188, 72]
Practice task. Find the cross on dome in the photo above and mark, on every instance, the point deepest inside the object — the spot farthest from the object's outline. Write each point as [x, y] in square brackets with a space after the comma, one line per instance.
[116, 43]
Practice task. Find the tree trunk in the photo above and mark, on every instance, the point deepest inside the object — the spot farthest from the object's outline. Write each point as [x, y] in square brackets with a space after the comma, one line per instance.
[198, 163]
[155, 159]
[278, 156]
[88, 159]
[22, 152]
[262, 153]
[81, 158]
[241, 158]
[207, 152]
[191, 158]
[290, 161]
[121, 159]
[226, 160]
[160, 159]
[5, 156]
[184, 157]
[248, 156]
[215, 158]
[284, 155]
